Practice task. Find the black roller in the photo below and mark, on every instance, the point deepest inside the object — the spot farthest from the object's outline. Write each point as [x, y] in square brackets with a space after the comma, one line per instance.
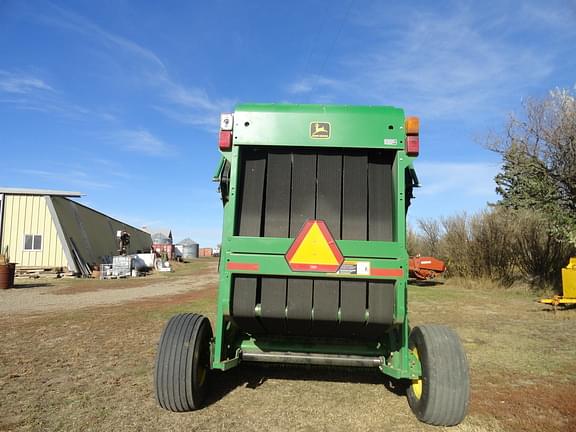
[299, 306]
[352, 306]
[326, 299]
[273, 304]
[381, 299]
[381, 302]
[244, 293]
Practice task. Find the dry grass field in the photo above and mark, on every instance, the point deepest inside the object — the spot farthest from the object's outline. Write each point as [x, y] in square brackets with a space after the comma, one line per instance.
[91, 368]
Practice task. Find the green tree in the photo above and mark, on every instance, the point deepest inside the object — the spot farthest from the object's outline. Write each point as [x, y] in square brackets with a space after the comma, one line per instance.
[539, 162]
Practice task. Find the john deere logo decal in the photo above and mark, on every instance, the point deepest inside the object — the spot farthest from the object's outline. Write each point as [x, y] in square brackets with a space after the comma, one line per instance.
[320, 130]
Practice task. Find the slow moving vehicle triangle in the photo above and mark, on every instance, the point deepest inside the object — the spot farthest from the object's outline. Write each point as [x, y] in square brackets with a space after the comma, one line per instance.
[314, 249]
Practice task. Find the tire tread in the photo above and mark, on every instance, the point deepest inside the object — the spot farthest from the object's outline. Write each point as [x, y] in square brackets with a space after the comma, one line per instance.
[173, 372]
[445, 396]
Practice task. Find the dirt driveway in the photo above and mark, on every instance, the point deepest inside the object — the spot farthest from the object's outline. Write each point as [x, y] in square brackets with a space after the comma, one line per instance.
[42, 296]
[90, 369]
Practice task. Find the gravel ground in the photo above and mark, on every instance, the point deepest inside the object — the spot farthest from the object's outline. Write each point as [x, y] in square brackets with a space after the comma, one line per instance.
[46, 299]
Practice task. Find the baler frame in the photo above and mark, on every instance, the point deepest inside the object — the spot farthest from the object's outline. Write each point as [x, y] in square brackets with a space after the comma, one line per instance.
[380, 135]
[268, 253]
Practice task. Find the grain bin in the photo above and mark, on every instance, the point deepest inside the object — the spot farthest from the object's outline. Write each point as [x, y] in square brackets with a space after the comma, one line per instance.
[189, 249]
[160, 238]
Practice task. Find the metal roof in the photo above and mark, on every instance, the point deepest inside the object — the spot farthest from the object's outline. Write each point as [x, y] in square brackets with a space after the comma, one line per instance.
[21, 191]
[187, 241]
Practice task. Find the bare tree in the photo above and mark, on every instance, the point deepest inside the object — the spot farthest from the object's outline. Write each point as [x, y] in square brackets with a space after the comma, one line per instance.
[431, 234]
[539, 162]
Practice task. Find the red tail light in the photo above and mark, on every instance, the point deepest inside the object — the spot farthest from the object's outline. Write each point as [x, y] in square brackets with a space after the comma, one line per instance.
[412, 127]
[225, 141]
[412, 145]
[226, 127]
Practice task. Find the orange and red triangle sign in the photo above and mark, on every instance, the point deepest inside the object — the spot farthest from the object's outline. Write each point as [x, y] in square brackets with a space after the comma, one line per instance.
[314, 249]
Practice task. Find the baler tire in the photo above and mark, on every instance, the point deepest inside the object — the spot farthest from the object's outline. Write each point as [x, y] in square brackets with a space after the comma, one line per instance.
[444, 388]
[183, 363]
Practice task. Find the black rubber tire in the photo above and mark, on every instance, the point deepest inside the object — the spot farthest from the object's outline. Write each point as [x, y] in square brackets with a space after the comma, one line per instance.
[183, 363]
[445, 376]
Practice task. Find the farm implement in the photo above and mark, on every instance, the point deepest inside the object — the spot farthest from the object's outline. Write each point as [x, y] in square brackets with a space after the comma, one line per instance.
[425, 268]
[313, 265]
[568, 296]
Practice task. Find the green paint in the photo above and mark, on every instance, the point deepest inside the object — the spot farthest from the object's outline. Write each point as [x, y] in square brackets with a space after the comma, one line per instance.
[290, 125]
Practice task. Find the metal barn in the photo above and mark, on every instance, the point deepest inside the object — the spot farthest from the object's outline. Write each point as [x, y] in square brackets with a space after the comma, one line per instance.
[45, 229]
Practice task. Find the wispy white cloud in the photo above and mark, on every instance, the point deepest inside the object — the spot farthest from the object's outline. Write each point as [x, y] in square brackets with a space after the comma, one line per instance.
[68, 20]
[141, 141]
[112, 167]
[28, 92]
[559, 17]
[309, 83]
[21, 84]
[189, 105]
[441, 64]
[183, 103]
[67, 177]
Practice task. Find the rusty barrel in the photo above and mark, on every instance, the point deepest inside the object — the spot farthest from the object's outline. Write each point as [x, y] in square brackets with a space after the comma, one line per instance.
[7, 272]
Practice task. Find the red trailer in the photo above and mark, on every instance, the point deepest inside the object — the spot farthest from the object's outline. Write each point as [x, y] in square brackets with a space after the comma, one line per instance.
[165, 249]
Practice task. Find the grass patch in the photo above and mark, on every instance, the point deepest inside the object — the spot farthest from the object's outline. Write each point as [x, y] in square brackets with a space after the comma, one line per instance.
[92, 369]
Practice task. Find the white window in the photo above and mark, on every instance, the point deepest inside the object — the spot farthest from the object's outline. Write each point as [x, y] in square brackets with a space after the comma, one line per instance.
[32, 242]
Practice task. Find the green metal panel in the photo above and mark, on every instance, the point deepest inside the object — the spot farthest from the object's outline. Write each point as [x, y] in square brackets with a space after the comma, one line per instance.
[349, 248]
[290, 125]
[277, 265]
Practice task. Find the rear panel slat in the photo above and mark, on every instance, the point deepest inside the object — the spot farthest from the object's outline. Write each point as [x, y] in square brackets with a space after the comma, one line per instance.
[303, 199]
[278, 182]
[329, 192]
[380, 205]
[302, 208]
[252, 192]
[355, 197]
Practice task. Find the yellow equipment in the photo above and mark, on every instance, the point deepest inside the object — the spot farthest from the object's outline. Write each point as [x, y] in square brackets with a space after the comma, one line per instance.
[568, 287]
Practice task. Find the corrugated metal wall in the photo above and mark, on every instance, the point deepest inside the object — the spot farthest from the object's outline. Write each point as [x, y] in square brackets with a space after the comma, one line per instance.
[93, 234]
[28, 214]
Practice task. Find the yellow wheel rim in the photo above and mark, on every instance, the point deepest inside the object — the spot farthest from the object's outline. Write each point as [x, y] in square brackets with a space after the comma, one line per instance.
[416, 383]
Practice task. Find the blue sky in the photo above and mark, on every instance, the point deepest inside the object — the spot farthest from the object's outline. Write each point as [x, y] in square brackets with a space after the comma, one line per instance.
[120, 100]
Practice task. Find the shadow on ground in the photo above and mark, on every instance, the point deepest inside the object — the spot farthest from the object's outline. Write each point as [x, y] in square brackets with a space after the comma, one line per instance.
[425, 283]
[252, 376]
[32, 285]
